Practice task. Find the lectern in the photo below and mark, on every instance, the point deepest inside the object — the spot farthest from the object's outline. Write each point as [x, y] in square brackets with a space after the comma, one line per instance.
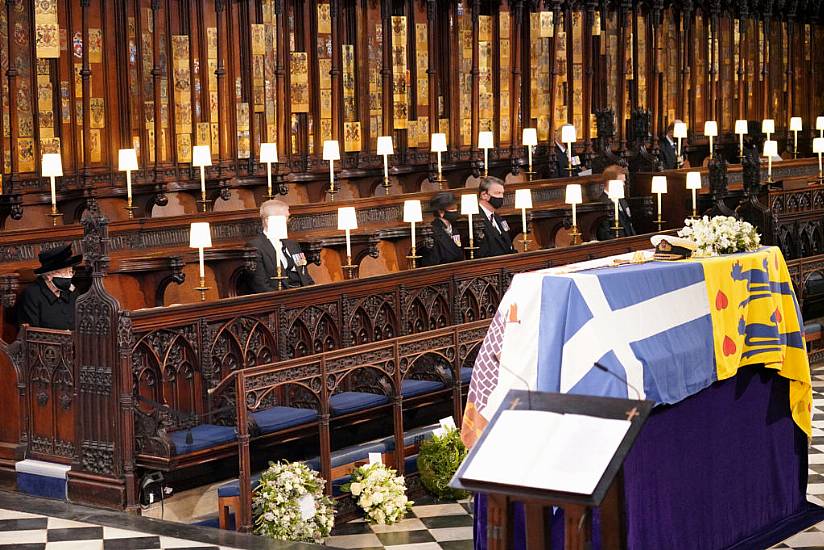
[580, 422]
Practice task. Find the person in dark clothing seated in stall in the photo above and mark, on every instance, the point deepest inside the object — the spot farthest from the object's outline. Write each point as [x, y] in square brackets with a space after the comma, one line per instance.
[496, 240]
[446, 242]
[292, 260]
[669, 149]
[49, 301]
[604, 230]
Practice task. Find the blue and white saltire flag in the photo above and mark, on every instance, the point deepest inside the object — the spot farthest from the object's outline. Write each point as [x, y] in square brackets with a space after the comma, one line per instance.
[648, 324]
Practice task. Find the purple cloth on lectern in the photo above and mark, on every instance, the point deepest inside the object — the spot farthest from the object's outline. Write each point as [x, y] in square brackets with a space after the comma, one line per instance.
[726, 466]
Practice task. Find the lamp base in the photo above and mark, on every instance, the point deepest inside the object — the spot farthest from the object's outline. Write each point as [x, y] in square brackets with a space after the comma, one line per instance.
[349, 271]
[204, 205]
[387, 185]
[525, 242]
[131, 210]
[770, 179]
[269, 196]
[471, 250]
[571, 171]
[413, 260]
[530, 175]
[280, 280]
[575, 234]
[617, 229]
[54, 214]
[441, 182]
[660, 223]
[202, 289]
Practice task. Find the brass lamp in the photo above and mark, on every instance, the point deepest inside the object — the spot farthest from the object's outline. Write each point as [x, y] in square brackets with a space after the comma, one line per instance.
[277, 231]
[51, 166]
[694, 185]
[679, 132]
[818, 148]
[269, 156]
[202, 157]
[523, 202]
[530, 139]
[711, 131]
[485, 140]
[126, 162]
[819, 125]
[574, 197]
[741, 130]
[615, 191]
[796, 125]
[200, 237]
[331, 152]
[385, 148]
[469, 208]
[412, 214]
[770, 151]
[659, 187]
[347, 221]
[568, 136]
[768, 127]
[438, 146]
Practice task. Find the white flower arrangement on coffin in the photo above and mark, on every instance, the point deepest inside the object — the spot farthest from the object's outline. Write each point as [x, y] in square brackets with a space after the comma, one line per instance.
[380, 493]
[289, 504]
[720, 235]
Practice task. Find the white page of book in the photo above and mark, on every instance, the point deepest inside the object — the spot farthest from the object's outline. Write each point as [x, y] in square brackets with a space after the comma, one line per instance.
[546, 450]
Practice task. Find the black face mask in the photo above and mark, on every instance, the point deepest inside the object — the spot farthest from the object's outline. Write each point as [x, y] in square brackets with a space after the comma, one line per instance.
[496, 202]
[451, 216]
[62, 283]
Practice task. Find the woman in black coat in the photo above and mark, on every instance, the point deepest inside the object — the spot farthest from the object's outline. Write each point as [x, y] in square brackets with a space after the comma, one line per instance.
[446, 242]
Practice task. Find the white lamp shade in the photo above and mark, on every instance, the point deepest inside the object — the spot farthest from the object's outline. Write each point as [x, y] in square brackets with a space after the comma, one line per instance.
[740, 126]
[770, 148]
[199, 235]
[331, 150]
[573, 194]
[659, 184]
[438, 144]
[276, 227]
[523, 198]
[795, 124]
[568, 133]
[347, 219]
[531, 136]
[51, 165]
[693, 180]
[615, 189]
[268, 153]
[679, 130]
[469, 204]
[710, 128]
[201, 156]
[412, 211]
[818, 145]
[385, 146]
[768, 126]
[485, 140]
[127, 160]
[819, 123]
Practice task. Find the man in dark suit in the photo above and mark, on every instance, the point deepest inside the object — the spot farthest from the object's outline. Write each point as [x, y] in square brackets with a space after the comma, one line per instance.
[446, 242]
[495, 240]
[49, 301]
[668, 148]
[604, 230]
[288, 254]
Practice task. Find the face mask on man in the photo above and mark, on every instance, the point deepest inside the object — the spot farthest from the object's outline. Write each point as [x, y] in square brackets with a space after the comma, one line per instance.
[451, 216]
[62, 283]
[496, 202]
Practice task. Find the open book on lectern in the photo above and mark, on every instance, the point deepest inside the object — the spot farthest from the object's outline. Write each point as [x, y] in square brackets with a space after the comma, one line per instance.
[553, 444]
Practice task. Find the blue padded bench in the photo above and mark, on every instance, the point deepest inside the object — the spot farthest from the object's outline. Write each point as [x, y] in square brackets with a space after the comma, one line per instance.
[812, 331]
[228, 494]
[203, 437]
[466, 375]
[278, 418]
[411, 388]
[351, 401]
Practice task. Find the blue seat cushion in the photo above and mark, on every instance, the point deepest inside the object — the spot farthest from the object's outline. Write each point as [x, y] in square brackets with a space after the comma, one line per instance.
[203, 437]
[351, 401]
[466, 375]
[812, 330]
[410, 437]
[278, 418]
[410, 388]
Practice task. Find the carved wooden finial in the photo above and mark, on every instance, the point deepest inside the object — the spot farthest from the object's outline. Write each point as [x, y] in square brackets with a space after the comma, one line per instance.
[95, 243]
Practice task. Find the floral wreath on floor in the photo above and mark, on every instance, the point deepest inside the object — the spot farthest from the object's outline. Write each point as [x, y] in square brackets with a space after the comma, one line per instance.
[720, 235]
[289, 504]
[438, 460]
[380, 493]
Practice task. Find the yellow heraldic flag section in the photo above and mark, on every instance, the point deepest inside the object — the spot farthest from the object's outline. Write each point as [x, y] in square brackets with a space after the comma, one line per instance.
[756, 320]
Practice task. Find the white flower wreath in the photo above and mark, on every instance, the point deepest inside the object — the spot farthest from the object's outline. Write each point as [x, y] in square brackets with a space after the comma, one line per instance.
[720, 235]
[380, 492]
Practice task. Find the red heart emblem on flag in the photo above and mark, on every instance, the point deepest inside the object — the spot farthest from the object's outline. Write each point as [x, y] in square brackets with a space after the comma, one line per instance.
[778, 316]
[721, 301]
[729, 346]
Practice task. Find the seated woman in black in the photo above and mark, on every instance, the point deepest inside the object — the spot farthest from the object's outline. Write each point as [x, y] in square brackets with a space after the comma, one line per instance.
[49, 301]
[446, 245]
